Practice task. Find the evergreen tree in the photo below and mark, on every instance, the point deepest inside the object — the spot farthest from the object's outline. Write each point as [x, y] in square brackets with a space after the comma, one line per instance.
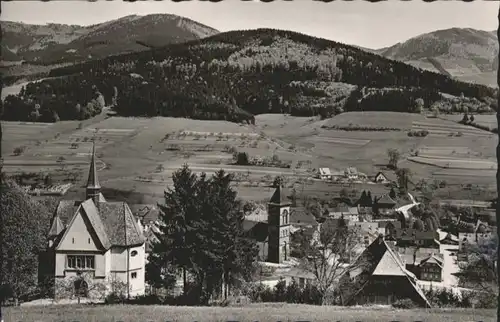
[176, 236]
[202, 234]
[418, 225]
[392, 193]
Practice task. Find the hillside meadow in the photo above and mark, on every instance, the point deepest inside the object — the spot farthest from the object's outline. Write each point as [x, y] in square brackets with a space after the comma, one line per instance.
[140, 154]
[250, 313]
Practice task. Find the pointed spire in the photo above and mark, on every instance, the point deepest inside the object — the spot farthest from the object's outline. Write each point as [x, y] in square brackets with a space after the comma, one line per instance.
[279, 197]
[93, 181]
[93, 186]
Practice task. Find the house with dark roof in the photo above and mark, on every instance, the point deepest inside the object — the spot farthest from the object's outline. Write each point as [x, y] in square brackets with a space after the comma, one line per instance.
[406, 237]
[97, 237]
[425, 263]
[386, 178]
[384, 204]
[380, 277]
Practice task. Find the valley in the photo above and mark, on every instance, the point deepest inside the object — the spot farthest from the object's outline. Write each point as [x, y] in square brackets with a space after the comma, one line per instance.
[140, 154]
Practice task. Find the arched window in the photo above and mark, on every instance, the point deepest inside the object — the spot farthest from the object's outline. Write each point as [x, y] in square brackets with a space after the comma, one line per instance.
[133, 253]
[285, 216]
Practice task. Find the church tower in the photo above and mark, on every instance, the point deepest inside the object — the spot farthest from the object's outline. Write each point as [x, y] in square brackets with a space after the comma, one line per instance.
[93, 189]
[278, 220]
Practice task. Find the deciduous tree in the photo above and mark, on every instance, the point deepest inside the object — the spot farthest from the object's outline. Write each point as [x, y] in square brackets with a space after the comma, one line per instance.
[25, 224]
[331, 254]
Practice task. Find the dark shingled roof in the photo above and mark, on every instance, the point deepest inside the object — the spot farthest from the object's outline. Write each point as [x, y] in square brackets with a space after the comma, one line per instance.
[256, 230]
[93, 181]
[120, 224]
[90, 213]
[147, 213]
[301, 216]
[280, 197]
[378, 259]
[386, 200]
[116, 220]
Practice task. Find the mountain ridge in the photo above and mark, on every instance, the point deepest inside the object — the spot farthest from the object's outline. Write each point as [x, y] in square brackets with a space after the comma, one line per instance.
[464, 53]
[59, 43]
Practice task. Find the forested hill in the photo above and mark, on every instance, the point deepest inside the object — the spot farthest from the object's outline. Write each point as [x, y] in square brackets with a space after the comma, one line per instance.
[238, 74]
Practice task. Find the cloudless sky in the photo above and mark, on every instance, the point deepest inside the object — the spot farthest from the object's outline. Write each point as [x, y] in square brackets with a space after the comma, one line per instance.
[372, 25]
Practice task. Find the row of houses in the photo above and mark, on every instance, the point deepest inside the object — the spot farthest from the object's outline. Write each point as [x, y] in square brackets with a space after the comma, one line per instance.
[351, 173]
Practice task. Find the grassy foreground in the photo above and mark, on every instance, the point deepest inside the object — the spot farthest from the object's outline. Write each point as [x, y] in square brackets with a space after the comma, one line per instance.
[251, 313]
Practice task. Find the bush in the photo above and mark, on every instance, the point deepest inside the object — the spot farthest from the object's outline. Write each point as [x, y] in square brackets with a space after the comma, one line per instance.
[242, 158]
[404, 304]
[115, 298]
[149, 299]
[290, 293]
[19, 150]
[420, 133]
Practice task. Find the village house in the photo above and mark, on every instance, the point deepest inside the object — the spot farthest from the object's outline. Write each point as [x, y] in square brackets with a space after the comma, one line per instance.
[384, 204]
[380, 277]
[386, 178]
[344, 211]
[324, 174]
[407, 237]
[351, 173]
[97, 239]
[425, 263]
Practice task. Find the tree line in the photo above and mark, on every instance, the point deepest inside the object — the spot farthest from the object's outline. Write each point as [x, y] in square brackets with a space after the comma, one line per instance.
[236, 75]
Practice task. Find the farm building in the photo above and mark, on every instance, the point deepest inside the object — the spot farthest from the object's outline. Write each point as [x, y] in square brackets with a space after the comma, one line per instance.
[324, 174]
[381, 278]
[351, 173]
[384, 204]
[386, 178]
[431, 269]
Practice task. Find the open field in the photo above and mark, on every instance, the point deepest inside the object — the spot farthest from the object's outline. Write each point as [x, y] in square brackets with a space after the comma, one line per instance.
[140, 154]
[375, 119]
[254, 312]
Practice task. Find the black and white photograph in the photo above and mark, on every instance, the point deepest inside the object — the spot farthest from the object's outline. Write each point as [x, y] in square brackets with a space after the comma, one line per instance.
[249, 161]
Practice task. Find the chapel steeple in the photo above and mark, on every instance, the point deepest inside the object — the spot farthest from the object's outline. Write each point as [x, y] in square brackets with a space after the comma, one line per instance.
[93, 189]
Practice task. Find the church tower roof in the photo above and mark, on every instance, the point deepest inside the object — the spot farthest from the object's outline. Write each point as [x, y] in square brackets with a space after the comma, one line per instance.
[93, 181]
[280, 197]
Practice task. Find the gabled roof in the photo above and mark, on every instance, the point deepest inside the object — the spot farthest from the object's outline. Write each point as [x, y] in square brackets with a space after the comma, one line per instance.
[92, 215]
[324, 171]
[432, 259]
[280, 197]
[116, 219]
[381, 260]
[386, 199]
[56, 228]
[390, 176]
[146, 212]
[300, 216]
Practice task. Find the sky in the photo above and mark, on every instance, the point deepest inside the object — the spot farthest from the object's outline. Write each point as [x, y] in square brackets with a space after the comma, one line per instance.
[371, 25]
